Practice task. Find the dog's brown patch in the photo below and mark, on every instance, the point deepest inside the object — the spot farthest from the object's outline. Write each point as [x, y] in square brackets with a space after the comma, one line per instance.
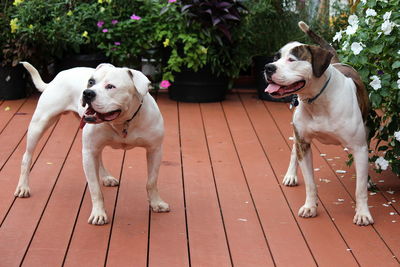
[362, 94]
[318, 57]
[301, 146]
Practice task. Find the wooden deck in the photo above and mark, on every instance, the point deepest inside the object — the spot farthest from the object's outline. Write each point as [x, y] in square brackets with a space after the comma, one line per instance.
[221, 173]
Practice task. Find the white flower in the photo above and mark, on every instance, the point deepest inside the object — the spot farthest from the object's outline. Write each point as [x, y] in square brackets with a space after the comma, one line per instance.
[338, 36]
[398, 83]
[398, 52]
[370, 12]
[363, 2]
[387, 27]
[356, 47]
[387, 15]
[353, 20]
[398, 74]
[397, 135]
[376, 82]
[351, 29]
[381, 163]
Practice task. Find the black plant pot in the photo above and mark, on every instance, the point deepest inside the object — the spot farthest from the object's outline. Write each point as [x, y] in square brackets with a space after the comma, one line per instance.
[12, 82]
[259, 64]
[200, 87]
[83, 60]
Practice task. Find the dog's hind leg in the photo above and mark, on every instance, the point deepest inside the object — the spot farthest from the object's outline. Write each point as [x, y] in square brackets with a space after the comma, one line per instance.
[363, 215]
[290, 178]
[41, 121]
[105, 176]
[153, 167]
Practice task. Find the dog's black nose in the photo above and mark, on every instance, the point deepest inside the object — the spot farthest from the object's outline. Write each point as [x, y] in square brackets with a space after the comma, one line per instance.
[270, 69]
[89, 95]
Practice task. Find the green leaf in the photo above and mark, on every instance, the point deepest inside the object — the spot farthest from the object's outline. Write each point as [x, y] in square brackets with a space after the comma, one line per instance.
[396, 65]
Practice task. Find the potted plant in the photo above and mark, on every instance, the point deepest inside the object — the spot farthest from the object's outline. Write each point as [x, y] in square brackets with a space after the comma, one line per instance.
[202, 43]
[56, 31]
[12, 75]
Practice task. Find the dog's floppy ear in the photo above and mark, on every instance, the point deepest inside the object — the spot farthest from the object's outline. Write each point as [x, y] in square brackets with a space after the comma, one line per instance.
[320, 59]
[103, 65]
[141, 82]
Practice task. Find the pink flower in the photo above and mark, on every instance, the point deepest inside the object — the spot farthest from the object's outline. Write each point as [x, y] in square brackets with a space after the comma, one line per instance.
[165, 84]
[134, 17]
[100, 24]
[171, 1]
[105, 30]
[117, 43]
[114, 21]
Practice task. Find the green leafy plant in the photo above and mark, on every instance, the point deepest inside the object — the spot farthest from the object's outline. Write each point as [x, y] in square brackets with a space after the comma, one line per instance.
[125, 32]
[199, 33]
[370, 43]
[51, 28]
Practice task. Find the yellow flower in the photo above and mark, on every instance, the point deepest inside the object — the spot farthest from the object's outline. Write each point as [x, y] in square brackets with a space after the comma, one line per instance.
[17, 2]
[204, 50]
[166, 42]
[30, 26]
[14, 26]
[100, 1]
[69, 13]
[85, 34]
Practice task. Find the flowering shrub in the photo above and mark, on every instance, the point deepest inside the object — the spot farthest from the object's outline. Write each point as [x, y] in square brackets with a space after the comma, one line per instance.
[370, 43]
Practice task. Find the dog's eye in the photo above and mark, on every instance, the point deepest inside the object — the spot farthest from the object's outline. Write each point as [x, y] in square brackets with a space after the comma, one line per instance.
[110, 86]
[91, 82]
[291, 59]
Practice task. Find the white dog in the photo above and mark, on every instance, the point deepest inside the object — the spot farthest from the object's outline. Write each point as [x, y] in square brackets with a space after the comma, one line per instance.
[116, 110]
[332, 108]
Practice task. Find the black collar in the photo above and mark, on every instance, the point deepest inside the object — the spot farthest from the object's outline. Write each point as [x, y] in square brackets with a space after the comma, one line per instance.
[136, 112]
[126, 123]
[310, 100]
[295, 101]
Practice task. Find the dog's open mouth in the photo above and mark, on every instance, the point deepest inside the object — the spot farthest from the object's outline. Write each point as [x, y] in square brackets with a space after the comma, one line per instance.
[280, 90]
[94, 117]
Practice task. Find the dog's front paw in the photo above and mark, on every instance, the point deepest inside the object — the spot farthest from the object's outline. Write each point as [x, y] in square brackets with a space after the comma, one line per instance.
[308, 211]
[22, 191]
[110, 181]
[290, 180]
[98, 217]
[159, 206]
[363, 218]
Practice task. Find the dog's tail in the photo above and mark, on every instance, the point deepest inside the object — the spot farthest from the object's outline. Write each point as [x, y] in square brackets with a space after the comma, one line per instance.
[37, 80]
[319, 40]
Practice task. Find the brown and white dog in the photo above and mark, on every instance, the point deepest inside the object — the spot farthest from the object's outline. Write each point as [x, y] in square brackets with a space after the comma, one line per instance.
[333, 105]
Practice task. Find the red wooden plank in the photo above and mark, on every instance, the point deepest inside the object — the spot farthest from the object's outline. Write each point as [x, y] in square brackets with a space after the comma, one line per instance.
[56, 225]
[246, 239]
[129, 237]
[89, 242]
[168, 237]
[387, 218]
[275, 214]
[9, 173]
[8, 109]
[208, 244]
[329, 193]
[19, 225]
[15, 130]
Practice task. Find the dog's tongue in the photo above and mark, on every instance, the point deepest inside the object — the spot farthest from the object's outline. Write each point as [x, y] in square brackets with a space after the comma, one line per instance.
[272, 87]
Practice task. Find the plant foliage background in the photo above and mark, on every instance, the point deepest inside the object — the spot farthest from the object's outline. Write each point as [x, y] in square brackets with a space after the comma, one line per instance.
[371, 44]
